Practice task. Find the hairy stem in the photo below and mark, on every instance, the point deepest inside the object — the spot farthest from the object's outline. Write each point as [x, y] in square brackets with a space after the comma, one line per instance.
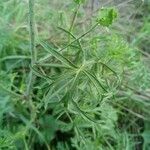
[32, 31]
[32, 45]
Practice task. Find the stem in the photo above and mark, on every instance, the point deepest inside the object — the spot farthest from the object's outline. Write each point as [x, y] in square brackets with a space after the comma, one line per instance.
[73, 21]
[92, 6]
[32, 31]
[74, 18]
[80, 36]
[11, 92]
[32, 45]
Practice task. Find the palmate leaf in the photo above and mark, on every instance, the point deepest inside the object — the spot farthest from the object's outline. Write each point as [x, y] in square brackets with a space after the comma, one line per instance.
[68, 83]
[106, 16]
[56, 54]
[50, 96]
[58, 90]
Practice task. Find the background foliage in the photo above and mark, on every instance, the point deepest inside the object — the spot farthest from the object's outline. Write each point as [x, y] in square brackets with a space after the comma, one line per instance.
[90, 94]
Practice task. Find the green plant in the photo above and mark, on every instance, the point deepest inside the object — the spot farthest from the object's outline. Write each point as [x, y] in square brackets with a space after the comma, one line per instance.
[69, 85]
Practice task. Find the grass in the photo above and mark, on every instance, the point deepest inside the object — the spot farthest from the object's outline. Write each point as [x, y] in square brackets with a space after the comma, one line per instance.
[68, 82]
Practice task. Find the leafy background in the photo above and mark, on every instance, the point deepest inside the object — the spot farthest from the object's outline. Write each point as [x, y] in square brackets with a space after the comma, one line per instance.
[92, 95]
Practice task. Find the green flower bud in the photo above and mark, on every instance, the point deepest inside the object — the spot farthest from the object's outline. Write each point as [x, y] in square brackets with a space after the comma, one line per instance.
[106, 16]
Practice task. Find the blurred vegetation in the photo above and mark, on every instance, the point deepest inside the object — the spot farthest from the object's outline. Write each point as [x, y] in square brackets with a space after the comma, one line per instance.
[89, 85]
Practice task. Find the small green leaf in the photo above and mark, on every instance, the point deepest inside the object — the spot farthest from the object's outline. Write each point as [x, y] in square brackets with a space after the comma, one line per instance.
[106, 16]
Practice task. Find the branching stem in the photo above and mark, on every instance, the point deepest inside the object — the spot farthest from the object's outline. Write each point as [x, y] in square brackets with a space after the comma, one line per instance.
[80, 37]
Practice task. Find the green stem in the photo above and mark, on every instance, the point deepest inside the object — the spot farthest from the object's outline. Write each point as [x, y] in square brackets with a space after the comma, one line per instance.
[74, 18]
[80, 36]
[32, 45]
[32, 31]
[10, 92]
[73, 21]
